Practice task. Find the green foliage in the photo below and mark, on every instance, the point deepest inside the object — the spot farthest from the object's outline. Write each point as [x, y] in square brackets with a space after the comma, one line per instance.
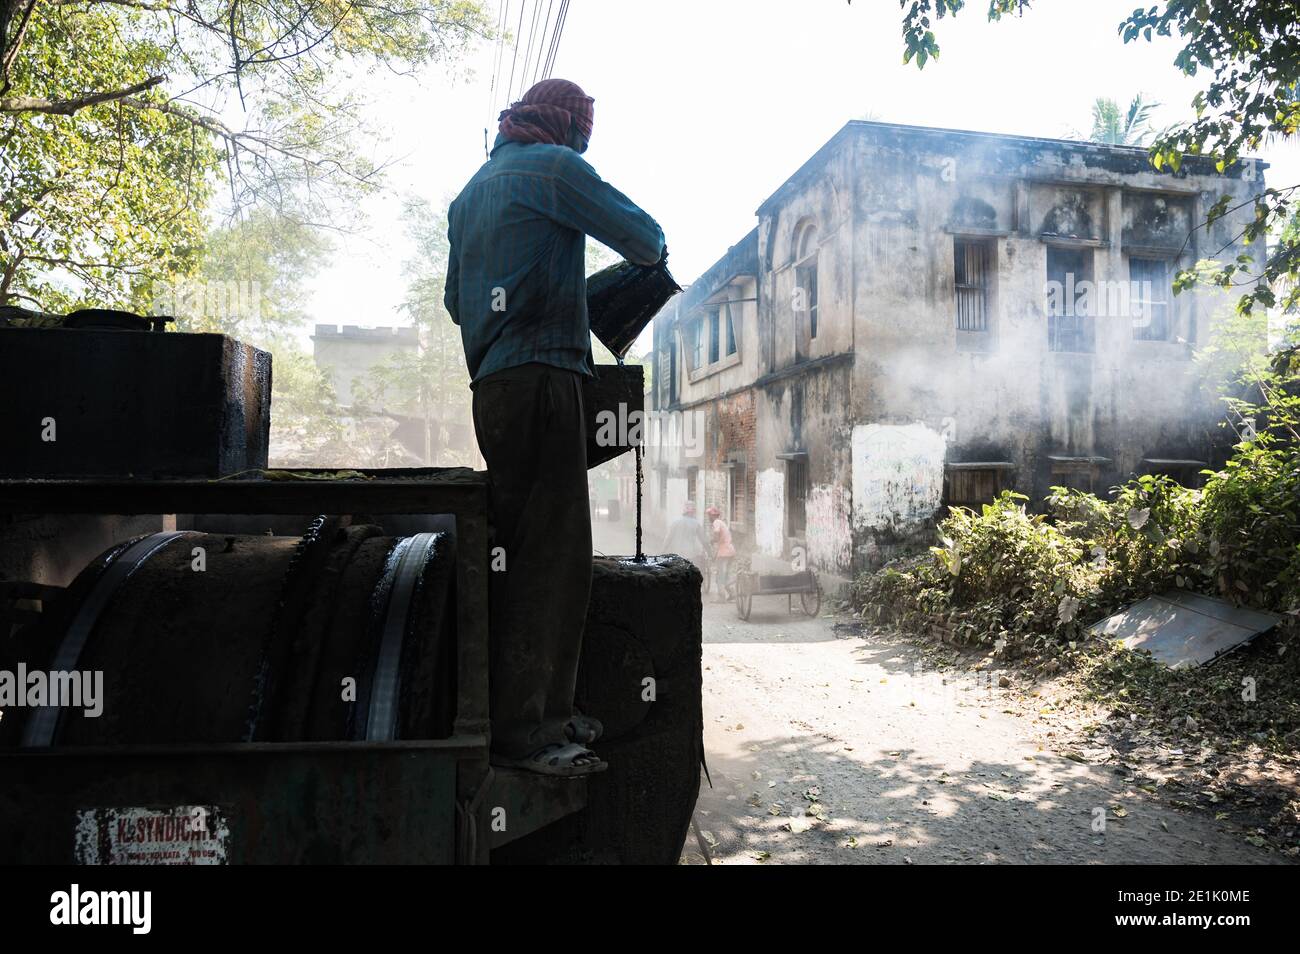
[251, 281]
[96, 205]
[1251, 509]
[1005, 575]
[1251, 516]
[918, 37]
[115, 126]
[1131, 128]
[1002, 575]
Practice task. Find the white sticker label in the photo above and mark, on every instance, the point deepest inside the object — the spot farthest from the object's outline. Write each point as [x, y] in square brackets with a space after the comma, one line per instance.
[184, 835]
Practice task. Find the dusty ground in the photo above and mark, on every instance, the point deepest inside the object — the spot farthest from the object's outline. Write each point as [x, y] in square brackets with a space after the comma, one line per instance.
[828, 747]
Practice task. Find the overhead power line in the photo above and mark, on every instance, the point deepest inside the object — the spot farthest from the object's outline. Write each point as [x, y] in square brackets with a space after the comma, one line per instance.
[561, 18]
[528, 50]
[515, 55]
[539, 51]
[546, 25]
[503, 14]
[503, 11]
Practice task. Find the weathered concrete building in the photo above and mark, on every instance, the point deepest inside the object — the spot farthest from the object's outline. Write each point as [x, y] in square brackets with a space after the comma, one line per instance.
[924, 317]
[701, 445]
[349, 353]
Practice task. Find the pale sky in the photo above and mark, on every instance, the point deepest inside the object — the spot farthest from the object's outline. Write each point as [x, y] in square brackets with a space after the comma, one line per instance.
[703, 108]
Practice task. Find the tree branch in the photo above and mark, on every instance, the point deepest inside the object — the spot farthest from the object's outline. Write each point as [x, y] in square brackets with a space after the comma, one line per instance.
[66, 107]
[10, 51]
[247, 140]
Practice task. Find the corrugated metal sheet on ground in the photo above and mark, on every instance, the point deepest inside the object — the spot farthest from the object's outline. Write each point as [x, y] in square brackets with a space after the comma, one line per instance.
[1184, 629]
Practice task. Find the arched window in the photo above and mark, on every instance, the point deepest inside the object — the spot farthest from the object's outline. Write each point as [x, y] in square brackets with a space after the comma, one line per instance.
[805, 261]
[807, 241]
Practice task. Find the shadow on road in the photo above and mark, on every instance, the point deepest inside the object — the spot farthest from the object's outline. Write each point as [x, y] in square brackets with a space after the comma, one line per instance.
[900, 807]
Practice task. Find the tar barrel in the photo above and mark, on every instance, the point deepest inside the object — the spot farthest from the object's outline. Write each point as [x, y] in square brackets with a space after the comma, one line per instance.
[640, 675]
[343, 633]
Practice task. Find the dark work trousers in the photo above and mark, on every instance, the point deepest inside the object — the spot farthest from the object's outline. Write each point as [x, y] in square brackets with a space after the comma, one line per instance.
[532, 431]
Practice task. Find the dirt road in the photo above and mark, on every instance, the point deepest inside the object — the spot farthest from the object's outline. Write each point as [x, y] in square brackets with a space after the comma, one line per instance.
[898, 763]
[907, 763]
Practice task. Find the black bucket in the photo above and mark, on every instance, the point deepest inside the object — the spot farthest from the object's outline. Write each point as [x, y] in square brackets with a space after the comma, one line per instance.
[623, 298]
[618, 389]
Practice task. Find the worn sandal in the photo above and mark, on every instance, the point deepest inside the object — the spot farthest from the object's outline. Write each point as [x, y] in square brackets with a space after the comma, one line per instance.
[557, 758]
[583, 729]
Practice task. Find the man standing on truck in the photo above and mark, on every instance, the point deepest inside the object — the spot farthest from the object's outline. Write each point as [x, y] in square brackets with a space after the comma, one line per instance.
[516, 286]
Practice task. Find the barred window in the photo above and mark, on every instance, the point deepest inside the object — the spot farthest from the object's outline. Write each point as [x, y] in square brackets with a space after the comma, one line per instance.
[737, 496]
[971, 284]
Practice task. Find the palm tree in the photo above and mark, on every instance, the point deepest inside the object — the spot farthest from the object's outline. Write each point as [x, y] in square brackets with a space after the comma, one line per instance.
[1111, 126]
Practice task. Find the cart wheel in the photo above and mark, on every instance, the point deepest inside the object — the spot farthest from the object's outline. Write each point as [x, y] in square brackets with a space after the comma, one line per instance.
[744, 596]
[812, 602]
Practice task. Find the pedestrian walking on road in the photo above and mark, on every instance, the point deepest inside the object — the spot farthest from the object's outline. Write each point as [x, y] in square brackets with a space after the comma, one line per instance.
[724, 551]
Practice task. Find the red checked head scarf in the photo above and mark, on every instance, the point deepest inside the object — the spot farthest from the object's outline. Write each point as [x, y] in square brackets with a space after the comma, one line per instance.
[546, 111]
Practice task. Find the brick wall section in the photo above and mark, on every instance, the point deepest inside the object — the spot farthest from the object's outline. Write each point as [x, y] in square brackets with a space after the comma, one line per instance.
[731, 429]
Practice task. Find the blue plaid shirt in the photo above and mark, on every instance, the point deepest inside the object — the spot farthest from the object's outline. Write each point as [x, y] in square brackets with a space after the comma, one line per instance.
[516, 282]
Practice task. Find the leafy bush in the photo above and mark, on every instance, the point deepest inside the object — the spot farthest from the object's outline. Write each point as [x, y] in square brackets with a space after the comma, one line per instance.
[1000, 574]
[1251, 516]
[1024, 580]
[1146, 538]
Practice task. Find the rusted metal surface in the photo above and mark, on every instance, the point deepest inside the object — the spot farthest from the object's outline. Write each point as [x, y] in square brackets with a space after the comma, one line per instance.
[419, 490]
[643, 622]
[42, 725]
[284, 803]
[132, 403]
[527, 802]
[346, 823]
[452, 490]
[779, 584]
[367, 802]
[308, 557]
[1183, 629]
